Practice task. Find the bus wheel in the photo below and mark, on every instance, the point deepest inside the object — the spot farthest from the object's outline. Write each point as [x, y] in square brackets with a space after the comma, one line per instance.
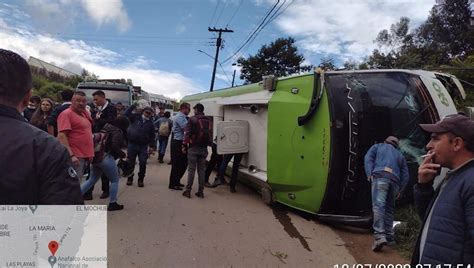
[267, 195]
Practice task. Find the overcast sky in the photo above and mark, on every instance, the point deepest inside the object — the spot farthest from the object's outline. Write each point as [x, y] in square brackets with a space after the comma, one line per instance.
[156, 43]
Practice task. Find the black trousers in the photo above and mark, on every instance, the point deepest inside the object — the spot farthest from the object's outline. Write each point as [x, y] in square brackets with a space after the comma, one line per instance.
[235, 168]
[214, 162]
[140, 150]
[179, 163]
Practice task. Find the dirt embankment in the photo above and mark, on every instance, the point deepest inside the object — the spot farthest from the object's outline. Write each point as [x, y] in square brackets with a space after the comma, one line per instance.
[359, 243]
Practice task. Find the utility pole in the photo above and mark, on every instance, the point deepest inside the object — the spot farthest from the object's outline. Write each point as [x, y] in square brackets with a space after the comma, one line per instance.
[233, 79]
[218, 46]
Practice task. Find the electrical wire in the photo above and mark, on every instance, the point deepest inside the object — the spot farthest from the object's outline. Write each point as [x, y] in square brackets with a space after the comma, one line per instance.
[235, 12]
[220, 14]
[273, 17]
[254, 32]
[225, 73]
[214, 13]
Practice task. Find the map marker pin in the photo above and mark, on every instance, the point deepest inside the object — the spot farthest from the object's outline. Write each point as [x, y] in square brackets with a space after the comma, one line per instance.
[33, 208]
[52, 260]
[53, 247]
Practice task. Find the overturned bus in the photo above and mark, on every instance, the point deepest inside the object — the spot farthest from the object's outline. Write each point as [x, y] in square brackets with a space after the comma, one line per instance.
[305, 137]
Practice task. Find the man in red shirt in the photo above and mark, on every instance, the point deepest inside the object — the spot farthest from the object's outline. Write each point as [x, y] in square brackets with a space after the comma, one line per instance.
[75, 132]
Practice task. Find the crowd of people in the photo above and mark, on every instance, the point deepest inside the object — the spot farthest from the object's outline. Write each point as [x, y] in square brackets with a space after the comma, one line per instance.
[47, 149]
[80, 127]
[95, 134]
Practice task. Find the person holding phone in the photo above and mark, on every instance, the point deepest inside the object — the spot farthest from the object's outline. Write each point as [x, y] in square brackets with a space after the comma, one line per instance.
[447, 234]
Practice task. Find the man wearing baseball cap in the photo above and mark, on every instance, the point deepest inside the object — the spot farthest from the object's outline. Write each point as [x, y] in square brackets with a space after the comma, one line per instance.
[387, 170]
[447, 234]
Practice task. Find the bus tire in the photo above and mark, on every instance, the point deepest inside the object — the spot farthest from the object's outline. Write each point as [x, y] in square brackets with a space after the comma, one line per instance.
[267, 195]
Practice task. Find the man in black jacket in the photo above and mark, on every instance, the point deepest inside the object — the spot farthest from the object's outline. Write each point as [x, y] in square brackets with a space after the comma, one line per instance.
[141, 134]
[102, 112]
[447, 234]
[31, 108]
[66, 96]
[35, 167]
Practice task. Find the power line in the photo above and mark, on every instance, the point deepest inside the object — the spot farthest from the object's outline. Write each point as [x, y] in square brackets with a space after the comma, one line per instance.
[272, 18]
[220, 14]
[235, 12]
[214, 13]
[131, 36]
[222, 68]
[253, 33]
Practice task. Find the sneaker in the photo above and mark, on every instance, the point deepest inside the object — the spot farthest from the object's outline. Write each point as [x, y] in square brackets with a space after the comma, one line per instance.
[232, 190]
[199, 194]
[129, 182]
[378, 245]
[216, 183]
[140, 184]
[207, 184]
[114, 206]
[88, 197]
[187, 193]
[175, 188]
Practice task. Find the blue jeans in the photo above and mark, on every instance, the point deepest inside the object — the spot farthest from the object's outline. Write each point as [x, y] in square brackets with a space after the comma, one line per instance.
[162, 144]
[384, 193]
[140, 150]
[81, 168]
[109, 167]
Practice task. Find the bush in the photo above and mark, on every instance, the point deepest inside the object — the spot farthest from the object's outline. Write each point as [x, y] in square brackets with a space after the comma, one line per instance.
[407, 234]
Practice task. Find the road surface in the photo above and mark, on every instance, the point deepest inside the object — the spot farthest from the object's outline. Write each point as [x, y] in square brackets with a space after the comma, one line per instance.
[161, 228]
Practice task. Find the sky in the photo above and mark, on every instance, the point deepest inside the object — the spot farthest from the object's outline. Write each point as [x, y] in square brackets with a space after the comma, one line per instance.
[165, 46]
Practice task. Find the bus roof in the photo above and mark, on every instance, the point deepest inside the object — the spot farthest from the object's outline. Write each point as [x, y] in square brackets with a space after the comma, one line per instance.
[103, 85]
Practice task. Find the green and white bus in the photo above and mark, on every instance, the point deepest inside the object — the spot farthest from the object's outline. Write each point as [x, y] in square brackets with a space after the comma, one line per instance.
[305, 136]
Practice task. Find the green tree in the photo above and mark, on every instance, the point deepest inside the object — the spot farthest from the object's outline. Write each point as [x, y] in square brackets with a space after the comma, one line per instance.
[447, 33]
[396, 48]
[88, 76]
[50, 90]
[39, 81]
[280, 58]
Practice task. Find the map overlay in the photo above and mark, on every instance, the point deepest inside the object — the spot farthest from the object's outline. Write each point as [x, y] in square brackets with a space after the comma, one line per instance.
[53, 236]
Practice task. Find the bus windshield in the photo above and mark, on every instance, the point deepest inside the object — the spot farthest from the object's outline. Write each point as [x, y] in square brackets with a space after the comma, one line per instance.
[386, 104]
[366, 108]
[114, 95]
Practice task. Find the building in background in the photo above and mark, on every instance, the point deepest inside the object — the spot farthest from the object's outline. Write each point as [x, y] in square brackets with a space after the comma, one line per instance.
[158, 100]
[49, 70]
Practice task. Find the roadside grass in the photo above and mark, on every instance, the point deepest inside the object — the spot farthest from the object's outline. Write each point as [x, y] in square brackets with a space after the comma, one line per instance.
[407, 233]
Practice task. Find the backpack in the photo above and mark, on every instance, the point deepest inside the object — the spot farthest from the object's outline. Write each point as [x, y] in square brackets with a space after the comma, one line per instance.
[100, 140]
[164, 129]
[204, 131]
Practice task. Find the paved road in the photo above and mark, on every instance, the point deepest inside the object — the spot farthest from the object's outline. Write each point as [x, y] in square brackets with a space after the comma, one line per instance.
[161, 228]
